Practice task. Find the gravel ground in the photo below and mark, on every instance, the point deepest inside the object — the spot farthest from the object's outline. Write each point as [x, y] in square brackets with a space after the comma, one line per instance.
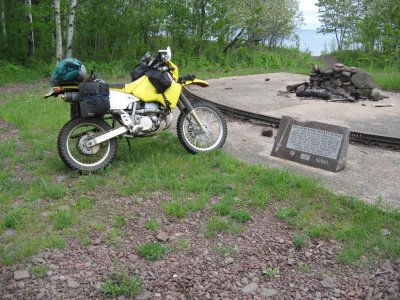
[265, 264]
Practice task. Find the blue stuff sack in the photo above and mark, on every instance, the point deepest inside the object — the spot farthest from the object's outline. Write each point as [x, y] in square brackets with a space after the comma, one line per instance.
[69, 70]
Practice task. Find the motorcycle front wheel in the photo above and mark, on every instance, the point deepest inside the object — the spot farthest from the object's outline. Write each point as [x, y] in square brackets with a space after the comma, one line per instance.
[76, 154]
[193, 138]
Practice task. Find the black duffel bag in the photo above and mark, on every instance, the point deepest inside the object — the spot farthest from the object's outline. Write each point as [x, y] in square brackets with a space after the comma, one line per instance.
[94, 100]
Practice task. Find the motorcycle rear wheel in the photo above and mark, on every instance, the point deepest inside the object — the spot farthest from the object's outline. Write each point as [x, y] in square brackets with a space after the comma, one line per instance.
[73, 151]
[190, 134]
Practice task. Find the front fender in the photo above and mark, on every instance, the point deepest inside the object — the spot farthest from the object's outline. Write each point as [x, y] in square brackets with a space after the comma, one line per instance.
[198, 82]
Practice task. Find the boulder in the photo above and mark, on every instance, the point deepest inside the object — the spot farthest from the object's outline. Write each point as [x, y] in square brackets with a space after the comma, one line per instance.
[362, 80]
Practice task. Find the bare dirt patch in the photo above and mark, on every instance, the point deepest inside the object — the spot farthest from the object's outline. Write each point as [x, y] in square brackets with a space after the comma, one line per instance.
[18, 87]
[8, 131]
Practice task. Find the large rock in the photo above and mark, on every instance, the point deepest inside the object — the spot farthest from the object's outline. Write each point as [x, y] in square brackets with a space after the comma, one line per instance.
[250, 288]
[267, 293]
[362, 80]
[21, 274]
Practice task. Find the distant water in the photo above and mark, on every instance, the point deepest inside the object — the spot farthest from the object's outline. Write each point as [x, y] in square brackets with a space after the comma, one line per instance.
[312, 41]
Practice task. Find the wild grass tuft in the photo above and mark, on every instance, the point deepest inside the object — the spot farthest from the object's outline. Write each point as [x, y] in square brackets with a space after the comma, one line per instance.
[120, 283]
[225, 250]
[151, 251]
[271, 272]
[63, 219]
[286, 213]
[217, 225]
[300, 240]
[14, 217]
[152, 224]
[241, 215]
[84, 202]
[38, 271]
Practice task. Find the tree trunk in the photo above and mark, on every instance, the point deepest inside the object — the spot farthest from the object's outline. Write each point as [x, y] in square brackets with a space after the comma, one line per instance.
[202, 23]
[57, 16]
[31, 40]
[3, 21]
[233, 42]
[71, 27]
[339, 44]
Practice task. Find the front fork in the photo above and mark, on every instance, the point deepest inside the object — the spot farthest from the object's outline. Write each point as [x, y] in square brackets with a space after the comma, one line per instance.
[184, 104]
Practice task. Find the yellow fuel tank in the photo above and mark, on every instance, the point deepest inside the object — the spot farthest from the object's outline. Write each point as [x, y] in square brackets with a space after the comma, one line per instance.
[143, 89]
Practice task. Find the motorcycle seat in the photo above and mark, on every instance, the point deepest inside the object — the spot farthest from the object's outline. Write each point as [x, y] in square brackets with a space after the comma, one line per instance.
[116, 85]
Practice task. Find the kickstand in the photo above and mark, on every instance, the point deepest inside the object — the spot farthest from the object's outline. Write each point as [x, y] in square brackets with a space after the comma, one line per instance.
[130, 149]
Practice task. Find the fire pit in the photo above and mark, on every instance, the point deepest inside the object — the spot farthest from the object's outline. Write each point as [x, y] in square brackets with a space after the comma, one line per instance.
[339, 83]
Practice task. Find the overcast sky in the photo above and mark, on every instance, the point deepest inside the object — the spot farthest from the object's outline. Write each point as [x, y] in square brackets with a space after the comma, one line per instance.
[310, 13]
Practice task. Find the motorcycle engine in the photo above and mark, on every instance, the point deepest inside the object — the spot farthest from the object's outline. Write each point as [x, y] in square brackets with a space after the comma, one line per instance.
[149, 116]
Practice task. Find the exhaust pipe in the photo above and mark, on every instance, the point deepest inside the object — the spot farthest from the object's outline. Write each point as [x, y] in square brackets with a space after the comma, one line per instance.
[70, 96]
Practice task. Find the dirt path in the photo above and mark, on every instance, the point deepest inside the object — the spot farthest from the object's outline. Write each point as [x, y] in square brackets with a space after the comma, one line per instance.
[18, 87]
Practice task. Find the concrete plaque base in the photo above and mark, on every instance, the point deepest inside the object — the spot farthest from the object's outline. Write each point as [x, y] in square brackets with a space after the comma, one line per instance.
[312, 143]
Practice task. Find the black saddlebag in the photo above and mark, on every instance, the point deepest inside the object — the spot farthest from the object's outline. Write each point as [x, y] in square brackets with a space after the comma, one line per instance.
[159, 79]
[94, 100]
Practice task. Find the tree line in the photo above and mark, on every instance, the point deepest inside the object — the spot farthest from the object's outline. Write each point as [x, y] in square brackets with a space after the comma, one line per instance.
[366, 25]
[104, 30]
[118, 29]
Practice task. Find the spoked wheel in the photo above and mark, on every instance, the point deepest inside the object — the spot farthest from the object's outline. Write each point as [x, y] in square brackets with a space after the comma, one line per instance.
[73, 149]
[193, 138]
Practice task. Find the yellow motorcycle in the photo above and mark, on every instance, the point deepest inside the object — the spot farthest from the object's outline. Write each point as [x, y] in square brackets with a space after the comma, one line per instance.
[101, 112]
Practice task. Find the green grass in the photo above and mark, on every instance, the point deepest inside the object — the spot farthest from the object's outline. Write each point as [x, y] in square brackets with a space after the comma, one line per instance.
[14, 217]
[218, 225]
[286, 213]
[225, 250]
[63, 219]
[38, 271]
[152, 224]
[300, 241]
[305, 268]
[225, 192]
[120, 283]
[270, 272]
[180, 208]
[84, 202]
[180, 244]
[114, 237]
[222, 209]
[241, 215]
[151, 251]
